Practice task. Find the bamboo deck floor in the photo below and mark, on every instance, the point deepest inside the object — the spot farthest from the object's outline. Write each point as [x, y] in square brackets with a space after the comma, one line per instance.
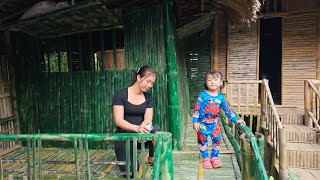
[305, 174]
[188, 163]
[59, 163]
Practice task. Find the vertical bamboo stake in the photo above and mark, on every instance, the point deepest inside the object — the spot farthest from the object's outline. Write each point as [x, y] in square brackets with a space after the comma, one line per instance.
[135, 158]
[34, 157]
[247, 98]
[75, 150]
[307, 104]
[282, 155]
[239, 95]
[128, 162]
[87, 158]
[1, 169]
[263, 105]
[143, 157]
[40, 158]
[28, 159]
[255, 99]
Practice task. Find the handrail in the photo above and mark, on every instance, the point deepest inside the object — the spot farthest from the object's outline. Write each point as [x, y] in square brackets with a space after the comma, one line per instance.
[267, 89]
[315, 121]
[311, 103]
[163, 152]
[274, 128]
[254, 144]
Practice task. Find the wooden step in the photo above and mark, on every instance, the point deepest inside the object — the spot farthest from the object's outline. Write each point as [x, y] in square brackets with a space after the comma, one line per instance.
[305, 155]
[292, 119]
[300, 133]
[304, 173]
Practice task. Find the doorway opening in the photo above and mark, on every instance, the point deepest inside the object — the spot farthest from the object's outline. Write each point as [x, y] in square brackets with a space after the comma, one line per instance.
[271, 55]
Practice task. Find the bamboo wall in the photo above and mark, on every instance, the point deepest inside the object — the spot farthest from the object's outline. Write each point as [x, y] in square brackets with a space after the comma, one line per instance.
[7, 125]
[242, 52]
[81, 101]
[299, 5]
[222, 48]
[298, 55]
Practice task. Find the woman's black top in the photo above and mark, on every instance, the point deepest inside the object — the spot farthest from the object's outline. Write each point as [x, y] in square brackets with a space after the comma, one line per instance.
[134, 114]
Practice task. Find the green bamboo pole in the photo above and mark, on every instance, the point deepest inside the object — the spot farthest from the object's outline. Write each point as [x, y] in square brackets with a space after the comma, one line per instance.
[135, 158]
[128, 163]
[40, 158]
[28, 159]
[143, 158]
[1, 169]
[87, 159]
[156, 165]
[34, 157]
[75, 149]
[166, 161]
[173, 86]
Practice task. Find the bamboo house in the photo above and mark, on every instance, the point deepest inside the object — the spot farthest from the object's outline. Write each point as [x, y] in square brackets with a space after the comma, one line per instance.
[61, 62]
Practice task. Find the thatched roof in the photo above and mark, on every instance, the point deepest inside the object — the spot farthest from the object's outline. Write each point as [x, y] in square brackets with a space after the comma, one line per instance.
[88, 15]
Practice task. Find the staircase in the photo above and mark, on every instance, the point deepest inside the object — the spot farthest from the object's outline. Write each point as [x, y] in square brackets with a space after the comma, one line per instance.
[303, 151]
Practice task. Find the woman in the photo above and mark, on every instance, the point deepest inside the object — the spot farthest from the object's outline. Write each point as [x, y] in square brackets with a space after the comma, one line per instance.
[133, 110]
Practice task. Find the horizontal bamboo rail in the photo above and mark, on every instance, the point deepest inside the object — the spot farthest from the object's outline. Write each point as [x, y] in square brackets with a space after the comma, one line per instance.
[163, 168]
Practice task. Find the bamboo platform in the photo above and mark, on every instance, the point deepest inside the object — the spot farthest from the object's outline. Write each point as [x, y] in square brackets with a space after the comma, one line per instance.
[305, 174]
[59, 163]
[188, 162]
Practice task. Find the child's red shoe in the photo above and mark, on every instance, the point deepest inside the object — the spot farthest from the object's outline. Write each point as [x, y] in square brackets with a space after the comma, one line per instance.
[206, 163]
[215, 162]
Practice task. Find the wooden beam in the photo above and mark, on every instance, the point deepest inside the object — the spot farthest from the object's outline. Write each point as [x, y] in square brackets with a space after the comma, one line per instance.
[215, 44]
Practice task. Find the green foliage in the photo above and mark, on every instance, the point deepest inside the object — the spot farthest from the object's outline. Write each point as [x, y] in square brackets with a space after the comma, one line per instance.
[54, 62]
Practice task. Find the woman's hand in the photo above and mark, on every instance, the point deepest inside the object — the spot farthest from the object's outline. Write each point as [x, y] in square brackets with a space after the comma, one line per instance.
[143, 128]
[196, 127]
[241, 121]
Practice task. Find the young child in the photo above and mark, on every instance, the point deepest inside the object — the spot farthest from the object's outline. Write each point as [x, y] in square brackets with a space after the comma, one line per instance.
[206, 118]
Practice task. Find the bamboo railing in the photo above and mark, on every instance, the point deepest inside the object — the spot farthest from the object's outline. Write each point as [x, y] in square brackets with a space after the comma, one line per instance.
[312, 103]
[254, 145]
[244, 97]
[274, 135]
[163, 168]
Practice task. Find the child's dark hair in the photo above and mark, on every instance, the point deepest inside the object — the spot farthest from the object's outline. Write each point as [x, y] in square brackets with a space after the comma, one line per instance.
[142, 71]
[214, 73]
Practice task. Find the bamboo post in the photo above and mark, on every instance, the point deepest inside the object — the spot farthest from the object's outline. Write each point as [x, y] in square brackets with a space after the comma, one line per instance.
[166, 162]
[215, 40]
[307, 104]
[173, 86]
[1, 169]
[249, 164]
[282, 154]
[274, 162]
